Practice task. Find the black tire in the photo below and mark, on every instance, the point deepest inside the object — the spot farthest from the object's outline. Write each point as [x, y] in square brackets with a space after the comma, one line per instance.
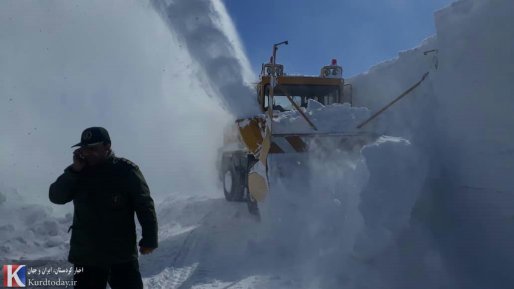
[233, 186]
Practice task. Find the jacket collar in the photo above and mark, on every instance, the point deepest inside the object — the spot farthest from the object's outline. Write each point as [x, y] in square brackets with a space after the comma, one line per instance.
[104, 165]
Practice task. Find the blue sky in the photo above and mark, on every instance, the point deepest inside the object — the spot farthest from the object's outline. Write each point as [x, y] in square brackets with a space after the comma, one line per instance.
[358, 33]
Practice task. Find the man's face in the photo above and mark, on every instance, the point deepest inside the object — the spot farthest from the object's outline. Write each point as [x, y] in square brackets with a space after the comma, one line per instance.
[95, 154]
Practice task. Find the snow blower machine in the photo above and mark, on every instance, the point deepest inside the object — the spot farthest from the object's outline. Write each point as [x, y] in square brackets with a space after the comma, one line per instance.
[243, 164]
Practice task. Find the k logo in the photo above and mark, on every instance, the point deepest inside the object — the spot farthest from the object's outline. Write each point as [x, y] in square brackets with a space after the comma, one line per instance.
[87, 135]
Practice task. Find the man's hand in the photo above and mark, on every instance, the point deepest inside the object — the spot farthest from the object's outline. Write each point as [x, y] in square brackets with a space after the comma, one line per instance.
[78, 160]
[145, 250]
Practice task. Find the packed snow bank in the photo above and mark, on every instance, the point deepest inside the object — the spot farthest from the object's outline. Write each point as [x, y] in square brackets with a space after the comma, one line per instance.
[386, 81]
[474, 87]
[30, 231]
[313, 215]
[460, 121]
[390, 251]
[335, 118]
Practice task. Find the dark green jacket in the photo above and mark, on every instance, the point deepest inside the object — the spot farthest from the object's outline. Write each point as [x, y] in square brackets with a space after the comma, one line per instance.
[105, 199]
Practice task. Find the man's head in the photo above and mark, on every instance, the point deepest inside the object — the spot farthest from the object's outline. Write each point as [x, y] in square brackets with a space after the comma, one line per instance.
[95, 145]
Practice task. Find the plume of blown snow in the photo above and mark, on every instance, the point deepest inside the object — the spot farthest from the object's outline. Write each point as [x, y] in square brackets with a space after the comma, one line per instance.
[212, 41]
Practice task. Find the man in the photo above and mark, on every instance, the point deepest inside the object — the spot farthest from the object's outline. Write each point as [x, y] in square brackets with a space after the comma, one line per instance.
[106, 192]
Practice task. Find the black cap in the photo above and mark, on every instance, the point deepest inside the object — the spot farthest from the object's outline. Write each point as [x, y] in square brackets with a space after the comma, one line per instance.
[92, 136]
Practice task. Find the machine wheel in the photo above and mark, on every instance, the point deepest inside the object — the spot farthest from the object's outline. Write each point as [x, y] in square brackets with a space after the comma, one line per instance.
[232, 185]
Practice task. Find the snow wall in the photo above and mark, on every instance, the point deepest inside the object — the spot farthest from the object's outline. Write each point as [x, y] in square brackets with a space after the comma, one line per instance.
[459, 229]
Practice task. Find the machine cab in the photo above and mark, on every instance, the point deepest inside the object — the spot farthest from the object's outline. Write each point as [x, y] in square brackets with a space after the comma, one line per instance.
[325, 89]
